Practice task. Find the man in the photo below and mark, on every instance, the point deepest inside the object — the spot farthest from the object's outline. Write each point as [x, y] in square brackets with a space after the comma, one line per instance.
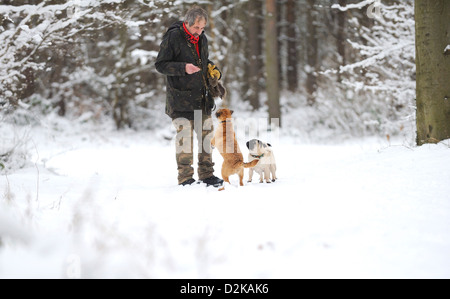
[183, 58]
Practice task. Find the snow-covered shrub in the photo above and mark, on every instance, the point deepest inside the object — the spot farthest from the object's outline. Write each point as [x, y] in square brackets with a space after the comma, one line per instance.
[11, 228]
[14, 148]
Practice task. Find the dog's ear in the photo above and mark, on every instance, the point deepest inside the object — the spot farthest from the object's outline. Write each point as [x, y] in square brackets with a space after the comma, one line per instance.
[231, 112]
[218, 113]
[248, 144]
[269, 144]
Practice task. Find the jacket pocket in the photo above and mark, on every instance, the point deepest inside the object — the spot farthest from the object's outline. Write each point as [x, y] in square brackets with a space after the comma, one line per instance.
[183, 100]
[187, 82]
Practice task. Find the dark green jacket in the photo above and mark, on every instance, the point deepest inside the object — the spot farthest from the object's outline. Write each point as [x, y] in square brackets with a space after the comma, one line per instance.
[185, 93]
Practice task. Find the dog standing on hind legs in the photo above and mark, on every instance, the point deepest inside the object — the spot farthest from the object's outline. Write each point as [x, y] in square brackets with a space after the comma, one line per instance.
[225, 141]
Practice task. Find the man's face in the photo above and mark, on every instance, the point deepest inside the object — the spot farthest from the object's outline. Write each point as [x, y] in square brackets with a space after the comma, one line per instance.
[197, 28]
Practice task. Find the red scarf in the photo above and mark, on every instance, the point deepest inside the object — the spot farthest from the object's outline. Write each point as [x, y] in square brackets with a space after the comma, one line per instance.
[194, 40]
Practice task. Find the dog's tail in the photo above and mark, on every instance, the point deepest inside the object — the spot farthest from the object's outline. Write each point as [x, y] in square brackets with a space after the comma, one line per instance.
[251, 164]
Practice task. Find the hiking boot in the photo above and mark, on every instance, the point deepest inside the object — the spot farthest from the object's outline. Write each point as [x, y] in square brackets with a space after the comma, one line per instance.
[213, 181]
[187, 182]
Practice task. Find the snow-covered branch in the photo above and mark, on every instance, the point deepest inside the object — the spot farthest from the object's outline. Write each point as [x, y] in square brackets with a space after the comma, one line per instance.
[384, 65]
[34, 28]
[359, 5]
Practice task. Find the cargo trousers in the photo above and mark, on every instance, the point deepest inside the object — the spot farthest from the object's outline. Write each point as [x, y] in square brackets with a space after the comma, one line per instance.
[202, 125]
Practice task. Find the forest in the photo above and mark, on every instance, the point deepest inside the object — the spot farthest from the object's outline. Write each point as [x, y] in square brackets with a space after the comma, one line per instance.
[359, 93]
[347, 67]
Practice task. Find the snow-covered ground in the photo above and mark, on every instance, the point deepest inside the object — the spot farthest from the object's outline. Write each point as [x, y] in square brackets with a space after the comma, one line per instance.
[96, 203]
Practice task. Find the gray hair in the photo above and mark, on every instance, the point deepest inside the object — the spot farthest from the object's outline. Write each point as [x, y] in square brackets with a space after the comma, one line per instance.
[193, 13]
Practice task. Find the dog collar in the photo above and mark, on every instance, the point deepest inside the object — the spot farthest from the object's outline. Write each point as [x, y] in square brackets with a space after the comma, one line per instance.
[257, 156]
[224, 121]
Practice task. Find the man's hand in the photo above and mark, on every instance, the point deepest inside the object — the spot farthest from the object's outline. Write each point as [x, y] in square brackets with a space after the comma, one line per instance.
[191, 69]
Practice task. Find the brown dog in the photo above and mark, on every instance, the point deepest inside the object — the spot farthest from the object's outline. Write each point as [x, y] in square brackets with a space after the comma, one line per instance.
[225, 141]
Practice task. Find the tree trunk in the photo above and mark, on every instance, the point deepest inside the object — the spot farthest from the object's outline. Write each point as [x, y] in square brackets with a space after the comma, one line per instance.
[292, 77]
[311, 53]
[280, 30]
[212, 31]
[272, 85]
[341, 36]
[433, 70]
[120, 102]
[254, 48]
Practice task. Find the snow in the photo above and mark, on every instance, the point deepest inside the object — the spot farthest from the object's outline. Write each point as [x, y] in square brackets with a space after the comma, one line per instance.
[359, 5]
[97, 203]
[143, 56]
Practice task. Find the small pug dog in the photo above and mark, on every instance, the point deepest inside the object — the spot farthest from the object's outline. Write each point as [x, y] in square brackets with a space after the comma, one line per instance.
[266, 166]
[225, 141]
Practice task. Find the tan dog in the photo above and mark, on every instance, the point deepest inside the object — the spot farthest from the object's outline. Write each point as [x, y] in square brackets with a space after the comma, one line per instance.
[225, 141]
[266, 166]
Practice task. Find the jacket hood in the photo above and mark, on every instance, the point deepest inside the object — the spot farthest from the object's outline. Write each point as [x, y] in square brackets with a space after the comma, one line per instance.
[174, 26]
